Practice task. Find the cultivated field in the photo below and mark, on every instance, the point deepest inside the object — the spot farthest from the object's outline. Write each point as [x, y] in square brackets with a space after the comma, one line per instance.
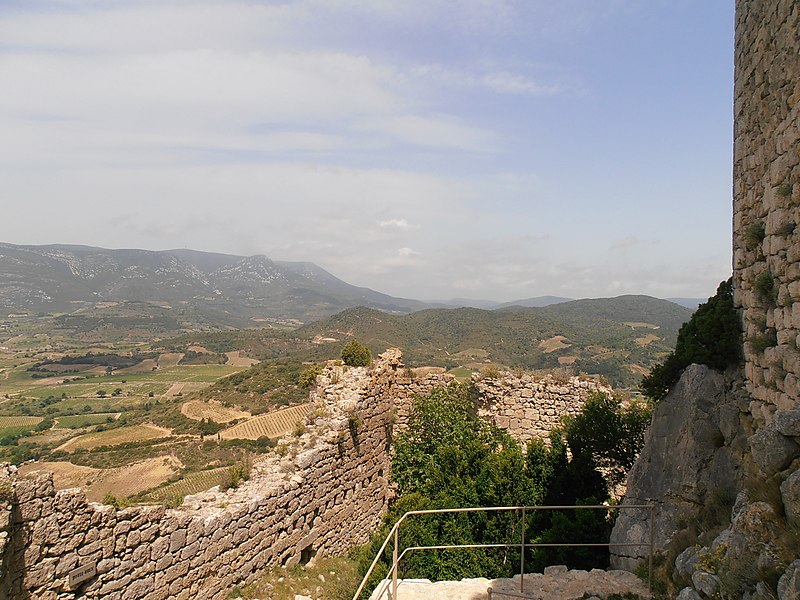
[273, 425]
[14, 421]
[114, 437]
[554, 343]
[235, 359]
[216, 411]
[190, 484]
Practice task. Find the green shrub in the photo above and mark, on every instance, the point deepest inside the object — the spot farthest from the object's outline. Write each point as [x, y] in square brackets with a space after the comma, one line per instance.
[785, 189]
[308, 376]
[754, 235]
[764, 285]
[356, 354]
[711, 337]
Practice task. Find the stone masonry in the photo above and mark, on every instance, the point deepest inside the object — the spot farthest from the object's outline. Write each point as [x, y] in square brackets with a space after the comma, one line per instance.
[529, 406]
[766, 215]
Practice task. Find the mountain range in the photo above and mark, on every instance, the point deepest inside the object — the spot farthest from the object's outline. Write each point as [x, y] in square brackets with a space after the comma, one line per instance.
[191, 287]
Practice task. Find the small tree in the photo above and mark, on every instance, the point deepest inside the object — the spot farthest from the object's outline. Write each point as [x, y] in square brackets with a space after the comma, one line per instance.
[356, 354]
[711, 337]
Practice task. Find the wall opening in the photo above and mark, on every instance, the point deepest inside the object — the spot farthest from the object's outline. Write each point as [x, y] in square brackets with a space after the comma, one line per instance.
[307, 554]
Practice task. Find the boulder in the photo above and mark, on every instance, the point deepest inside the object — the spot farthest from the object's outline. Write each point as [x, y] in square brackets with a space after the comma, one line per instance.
[790, 494]
[787, 422]
[772, 450]
[688, 593]
[789, 583]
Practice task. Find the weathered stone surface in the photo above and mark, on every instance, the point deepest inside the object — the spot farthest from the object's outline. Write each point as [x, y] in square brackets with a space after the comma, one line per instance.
[790, 495]
[705, 583]
[688, 593]
[789, 583]
[529, 406]
[772, 451]
[787, 422]
[686, 563]
[682, 461]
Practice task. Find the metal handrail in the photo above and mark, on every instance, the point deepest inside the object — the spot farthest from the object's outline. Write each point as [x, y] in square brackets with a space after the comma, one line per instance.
[393, 535]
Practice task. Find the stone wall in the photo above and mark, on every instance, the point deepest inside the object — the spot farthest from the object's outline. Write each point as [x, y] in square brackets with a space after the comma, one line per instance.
[318, 494]
[766, 236]
[324, 495]
[530, 406]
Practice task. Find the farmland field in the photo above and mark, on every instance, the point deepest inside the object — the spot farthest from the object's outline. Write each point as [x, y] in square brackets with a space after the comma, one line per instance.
[121, 481]
[114, 437]
[273, 425]
[15, 421]
[217, 412]
[190, 484]
[78, 421]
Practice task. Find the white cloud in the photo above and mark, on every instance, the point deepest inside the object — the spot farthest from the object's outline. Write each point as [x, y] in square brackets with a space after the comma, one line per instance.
[397, 224]
[437, 131]
[406, 252]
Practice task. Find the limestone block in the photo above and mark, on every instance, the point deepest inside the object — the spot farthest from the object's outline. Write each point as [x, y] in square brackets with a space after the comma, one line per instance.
[772, 451]
[787, 422]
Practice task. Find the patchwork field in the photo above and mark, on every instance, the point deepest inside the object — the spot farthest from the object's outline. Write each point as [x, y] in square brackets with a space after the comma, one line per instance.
[274, 424]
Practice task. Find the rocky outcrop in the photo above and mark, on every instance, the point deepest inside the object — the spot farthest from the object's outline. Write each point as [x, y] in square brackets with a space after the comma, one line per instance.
[692, 454]
[727, 495]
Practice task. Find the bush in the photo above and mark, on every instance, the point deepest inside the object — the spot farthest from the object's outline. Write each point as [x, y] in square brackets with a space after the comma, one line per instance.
[308, 376]
[356, 354]
[711, 337]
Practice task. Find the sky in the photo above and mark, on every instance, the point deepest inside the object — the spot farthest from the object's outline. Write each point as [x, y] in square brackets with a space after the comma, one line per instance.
[430, 149]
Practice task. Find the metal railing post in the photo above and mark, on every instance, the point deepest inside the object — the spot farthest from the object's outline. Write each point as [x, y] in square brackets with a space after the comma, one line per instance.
[522, 556]
[394, 565]
[652, 543]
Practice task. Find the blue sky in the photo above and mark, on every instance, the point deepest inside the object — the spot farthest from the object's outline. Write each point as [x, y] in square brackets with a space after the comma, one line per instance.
[496, 149]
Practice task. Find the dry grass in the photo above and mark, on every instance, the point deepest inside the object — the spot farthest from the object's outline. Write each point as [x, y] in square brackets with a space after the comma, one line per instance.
[197, 409]
[567, 360]
[121, 482]
[114, 437]
[646, 340]
[235, 359]
[553, 344]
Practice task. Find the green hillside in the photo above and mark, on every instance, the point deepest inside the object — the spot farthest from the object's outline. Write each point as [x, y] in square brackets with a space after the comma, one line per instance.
[620, 338]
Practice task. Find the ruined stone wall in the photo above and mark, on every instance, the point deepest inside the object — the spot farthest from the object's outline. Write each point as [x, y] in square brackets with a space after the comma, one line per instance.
[530, 406]
[766, 219]
[321, 493]
[324, 495]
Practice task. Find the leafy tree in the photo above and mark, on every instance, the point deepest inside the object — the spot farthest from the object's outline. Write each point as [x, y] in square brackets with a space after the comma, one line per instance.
[606, 433]
[356, 354]
[711, 337]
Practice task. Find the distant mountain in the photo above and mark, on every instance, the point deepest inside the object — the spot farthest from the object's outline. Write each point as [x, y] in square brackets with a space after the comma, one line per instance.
[692, 303]
[538, 302]
[215, 289]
